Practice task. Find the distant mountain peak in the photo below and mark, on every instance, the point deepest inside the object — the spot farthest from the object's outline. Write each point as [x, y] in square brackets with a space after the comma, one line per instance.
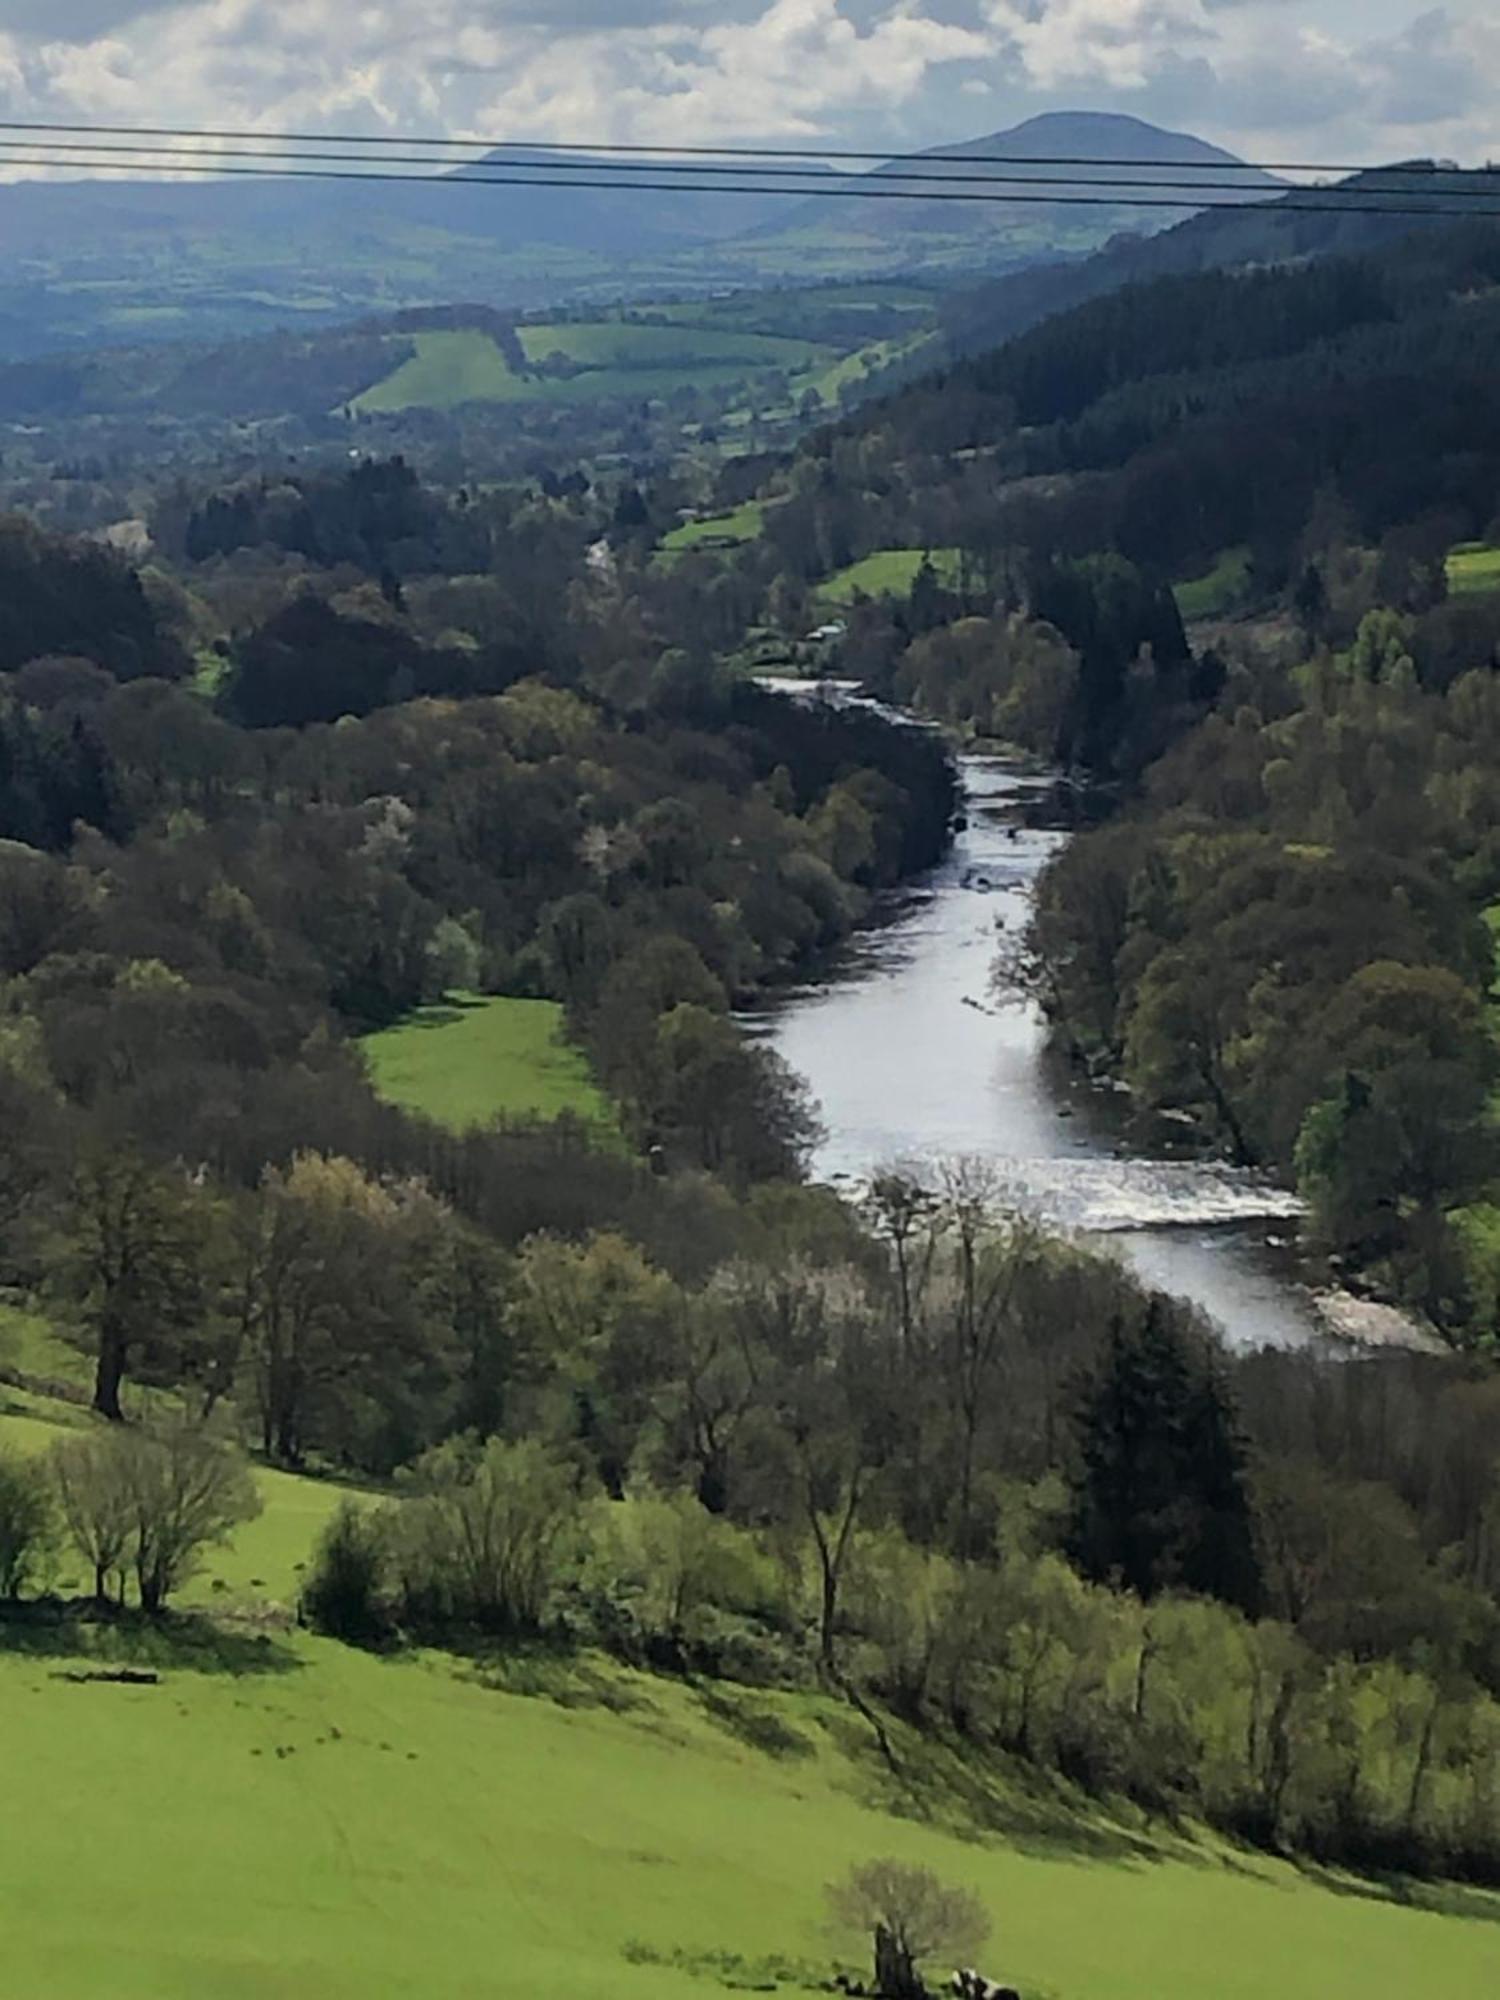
[1101, 135]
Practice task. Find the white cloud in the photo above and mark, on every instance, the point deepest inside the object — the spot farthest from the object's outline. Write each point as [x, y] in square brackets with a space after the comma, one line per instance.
[1114, 44]
[1364, 77]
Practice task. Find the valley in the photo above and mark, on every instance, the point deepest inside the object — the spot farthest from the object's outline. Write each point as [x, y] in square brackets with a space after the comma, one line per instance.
[749, 1045]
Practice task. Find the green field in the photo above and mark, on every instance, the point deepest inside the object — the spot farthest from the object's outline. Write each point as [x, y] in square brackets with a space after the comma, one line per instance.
[889, 573]
[470, 1059]
[604, 358]
[447, 369]
[1218, 592]
[282, 1817]
[1473, 568]
[717, 531]
[615, 347]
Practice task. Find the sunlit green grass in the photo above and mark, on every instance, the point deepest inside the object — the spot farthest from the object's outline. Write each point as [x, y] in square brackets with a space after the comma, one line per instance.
[608, 357]
[888, 573]
[281, 1817]
[1473, 568]
[1219, 591]
[616, 346]
[717, 530]
[319, 1823]
[447, 369]
[470, 1060]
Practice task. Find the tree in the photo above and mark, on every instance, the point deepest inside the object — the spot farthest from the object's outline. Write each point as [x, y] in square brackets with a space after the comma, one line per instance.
[150, 1502]
[135, 1256]
[186, 1492]
[725, 1105]
[597, 1319]
[829, 1405]
[25, 1523]
[89, 1475]
[911, 1916]
[1159, 1490]
[341, 1329]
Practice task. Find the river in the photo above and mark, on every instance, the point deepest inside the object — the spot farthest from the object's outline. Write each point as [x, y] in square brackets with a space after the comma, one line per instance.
[913, 1059]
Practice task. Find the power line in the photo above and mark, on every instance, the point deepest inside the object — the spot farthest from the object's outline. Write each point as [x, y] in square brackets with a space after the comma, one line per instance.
[1330, 201]
[605, 149]
[166, 158]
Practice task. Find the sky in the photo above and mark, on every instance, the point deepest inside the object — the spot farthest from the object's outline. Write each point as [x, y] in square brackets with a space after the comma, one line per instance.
[1337, 80]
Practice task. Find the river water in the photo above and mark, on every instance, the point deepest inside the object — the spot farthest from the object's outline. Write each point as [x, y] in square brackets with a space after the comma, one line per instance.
[914, 1060]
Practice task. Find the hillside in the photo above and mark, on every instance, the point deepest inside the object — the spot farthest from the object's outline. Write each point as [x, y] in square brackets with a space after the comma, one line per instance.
[923, 235]
[1292, 229]
[85, 261]
[324, 1821]
[774, 348]
[1182, 416]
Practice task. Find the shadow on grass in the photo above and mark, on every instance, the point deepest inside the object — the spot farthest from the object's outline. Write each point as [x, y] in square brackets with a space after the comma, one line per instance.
[1438, 1899]
[978, 1797]
[444, 1013]
[82, 1635]
[753, 1723]
[540, 1671]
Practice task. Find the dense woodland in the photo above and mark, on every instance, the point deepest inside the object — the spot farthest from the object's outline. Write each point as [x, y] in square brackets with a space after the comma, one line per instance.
[356, 737]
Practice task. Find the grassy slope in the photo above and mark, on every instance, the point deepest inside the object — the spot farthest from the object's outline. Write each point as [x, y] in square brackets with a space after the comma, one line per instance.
[618, 346]
[447, 369]
[307, 1821]
[617, 357]
[471, 1060]
[264, 1563]
[890, 573]
[1219, 591]
[743, 525]
[1473, 568]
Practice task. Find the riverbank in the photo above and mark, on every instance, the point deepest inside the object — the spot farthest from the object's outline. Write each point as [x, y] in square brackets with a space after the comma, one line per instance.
[914, 1059]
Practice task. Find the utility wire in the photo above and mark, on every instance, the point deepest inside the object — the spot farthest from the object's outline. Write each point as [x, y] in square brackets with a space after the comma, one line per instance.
[605, 149]
[166, 157]
[1330, 201]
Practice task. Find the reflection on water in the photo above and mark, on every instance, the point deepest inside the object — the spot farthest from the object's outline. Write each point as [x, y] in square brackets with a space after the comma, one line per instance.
[912, 1057]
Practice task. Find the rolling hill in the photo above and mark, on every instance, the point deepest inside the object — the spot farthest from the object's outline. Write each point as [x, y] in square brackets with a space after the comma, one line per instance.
[923, 234]
[277, 1816]
[134, 260]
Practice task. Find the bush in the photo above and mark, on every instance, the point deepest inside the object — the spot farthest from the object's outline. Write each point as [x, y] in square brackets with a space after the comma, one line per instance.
[26, 1524]
[485, 1541]
[345, 1593]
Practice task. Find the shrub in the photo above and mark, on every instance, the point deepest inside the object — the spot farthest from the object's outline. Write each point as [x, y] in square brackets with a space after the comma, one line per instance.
[26, 1524]
[345, 1592]
[486, 1538]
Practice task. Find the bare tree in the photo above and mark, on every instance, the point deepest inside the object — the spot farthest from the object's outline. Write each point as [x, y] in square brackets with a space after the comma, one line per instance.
[910, 1916]
[150, 1502]
[187, 1492]
[89, 1475]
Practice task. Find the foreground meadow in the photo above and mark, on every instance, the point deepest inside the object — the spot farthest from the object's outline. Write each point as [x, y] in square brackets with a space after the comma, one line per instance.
[283, 1816]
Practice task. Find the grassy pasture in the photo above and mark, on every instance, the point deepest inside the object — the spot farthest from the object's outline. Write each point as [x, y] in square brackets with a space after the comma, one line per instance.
[626, 346]
[717, 531]
[888, 573]
[285, 1819]
[611, 357]
[314, 1822]
[448, 368]
[1219, 591]
[471, 1059]
[1473, 569]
